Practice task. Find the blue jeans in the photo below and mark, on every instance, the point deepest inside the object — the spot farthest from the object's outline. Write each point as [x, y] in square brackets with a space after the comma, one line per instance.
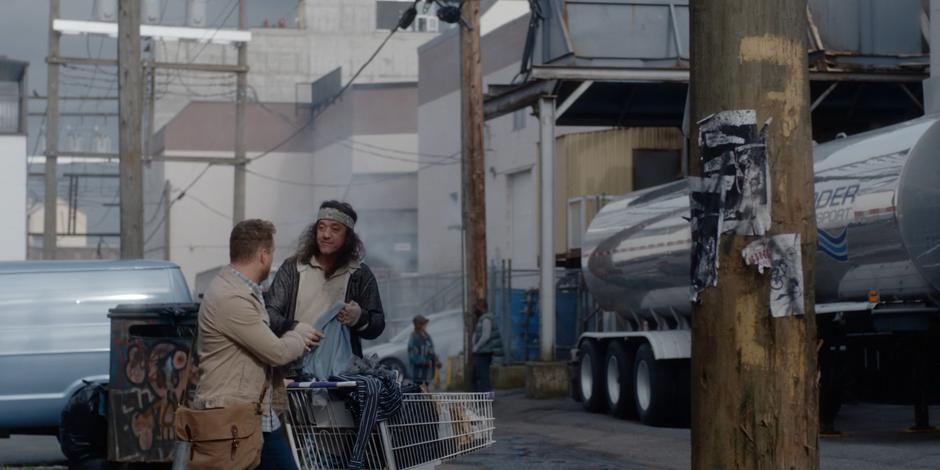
[276, 453]
[481, 372]
[422, 374]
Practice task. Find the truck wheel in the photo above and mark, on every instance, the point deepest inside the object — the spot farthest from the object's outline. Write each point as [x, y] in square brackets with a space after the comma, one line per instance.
[621, 400]
[591, 373]
[651, 385]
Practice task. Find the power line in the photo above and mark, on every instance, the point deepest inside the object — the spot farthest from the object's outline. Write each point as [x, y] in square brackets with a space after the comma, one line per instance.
[234, 4]
[339, 185]
[191, 184]
[294, 134]
[315, 113]
[227, 217]
[349, 144]
[404, 152]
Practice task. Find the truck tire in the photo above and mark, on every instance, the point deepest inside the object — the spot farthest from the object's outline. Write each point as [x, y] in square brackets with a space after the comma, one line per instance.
[621, 398]
[591, 374]
[651, 385]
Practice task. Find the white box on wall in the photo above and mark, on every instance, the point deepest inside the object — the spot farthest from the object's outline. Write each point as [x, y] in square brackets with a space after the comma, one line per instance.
[13, 197]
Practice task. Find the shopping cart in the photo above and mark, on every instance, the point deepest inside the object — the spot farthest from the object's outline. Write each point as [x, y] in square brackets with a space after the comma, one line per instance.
[429, 429]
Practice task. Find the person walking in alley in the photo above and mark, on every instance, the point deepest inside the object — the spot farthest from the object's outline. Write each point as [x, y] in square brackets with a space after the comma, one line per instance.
[236, 347]
[421, 353]
[487, 343]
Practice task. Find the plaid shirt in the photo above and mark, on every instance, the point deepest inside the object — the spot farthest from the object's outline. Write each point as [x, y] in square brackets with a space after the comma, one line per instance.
[269, 421]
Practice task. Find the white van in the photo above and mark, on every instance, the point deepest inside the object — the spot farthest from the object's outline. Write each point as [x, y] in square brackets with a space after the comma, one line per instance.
[55, 331]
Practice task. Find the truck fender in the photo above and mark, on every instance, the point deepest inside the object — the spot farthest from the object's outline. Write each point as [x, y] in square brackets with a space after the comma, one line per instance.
[669, 344]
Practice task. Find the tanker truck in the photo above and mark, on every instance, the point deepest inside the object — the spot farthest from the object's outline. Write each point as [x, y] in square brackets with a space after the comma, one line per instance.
[877, 200]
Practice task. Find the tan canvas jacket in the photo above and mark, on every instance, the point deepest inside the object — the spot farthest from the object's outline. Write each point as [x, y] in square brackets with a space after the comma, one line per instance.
[236, 344]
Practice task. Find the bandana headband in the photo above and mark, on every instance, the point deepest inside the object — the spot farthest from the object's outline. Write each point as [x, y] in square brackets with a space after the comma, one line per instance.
[330, 213]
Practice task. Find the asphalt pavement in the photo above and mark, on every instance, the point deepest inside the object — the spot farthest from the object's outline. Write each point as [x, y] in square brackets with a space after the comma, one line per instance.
[558, 434]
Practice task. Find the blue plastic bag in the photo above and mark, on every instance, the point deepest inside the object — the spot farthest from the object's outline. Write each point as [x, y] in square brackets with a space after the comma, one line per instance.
[334, 354]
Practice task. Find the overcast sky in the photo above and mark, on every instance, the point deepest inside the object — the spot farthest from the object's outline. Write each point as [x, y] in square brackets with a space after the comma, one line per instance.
[24, 36]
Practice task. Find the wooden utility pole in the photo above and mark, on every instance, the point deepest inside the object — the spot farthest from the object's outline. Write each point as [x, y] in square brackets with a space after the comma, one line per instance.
[754, 376]
[238, 195]
[51, 196]
[474, 183]
[167, 205]
[130, 98]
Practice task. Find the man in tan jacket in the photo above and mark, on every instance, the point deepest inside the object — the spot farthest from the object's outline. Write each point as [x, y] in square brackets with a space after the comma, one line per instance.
[236, 347]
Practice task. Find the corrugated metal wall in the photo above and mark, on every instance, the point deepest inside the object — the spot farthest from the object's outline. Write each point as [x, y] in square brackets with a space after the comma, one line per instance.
[870, 27]
[640, 33]
[600, 163]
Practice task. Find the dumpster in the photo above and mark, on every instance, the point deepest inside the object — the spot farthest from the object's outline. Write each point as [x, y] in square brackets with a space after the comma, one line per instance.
[151, 370]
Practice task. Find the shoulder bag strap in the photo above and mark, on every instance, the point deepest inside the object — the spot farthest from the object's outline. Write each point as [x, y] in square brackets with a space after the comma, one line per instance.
[184, 400]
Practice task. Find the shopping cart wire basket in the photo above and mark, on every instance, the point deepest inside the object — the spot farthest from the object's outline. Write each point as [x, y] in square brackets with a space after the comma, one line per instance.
[429, 429]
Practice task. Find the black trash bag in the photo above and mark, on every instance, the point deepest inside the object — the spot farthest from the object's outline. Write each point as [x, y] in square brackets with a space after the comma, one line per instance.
[83, 429]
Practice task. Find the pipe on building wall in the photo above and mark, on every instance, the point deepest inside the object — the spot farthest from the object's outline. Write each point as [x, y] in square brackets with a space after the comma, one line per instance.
[547, 240]
[932, 84]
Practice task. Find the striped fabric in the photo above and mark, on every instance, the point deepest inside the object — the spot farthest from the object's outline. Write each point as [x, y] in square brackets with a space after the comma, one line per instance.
[375, 399]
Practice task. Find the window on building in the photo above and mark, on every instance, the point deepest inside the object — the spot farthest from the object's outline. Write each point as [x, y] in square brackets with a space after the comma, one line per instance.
[388, 12]
[655, 167]
[9, 107]
[426, 24]
[519, 118]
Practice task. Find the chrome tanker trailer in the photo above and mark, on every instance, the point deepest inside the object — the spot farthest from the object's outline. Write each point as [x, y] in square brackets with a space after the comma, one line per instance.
[877, 269]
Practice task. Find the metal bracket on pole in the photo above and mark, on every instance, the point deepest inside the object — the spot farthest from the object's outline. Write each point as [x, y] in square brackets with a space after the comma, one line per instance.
[583, 87]
[823, 96]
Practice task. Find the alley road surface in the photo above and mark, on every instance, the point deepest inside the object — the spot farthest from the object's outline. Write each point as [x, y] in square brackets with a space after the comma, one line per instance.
[557, 434]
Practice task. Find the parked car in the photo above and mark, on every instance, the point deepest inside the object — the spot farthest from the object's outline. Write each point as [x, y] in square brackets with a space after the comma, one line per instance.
[55, 332]
[446, 330]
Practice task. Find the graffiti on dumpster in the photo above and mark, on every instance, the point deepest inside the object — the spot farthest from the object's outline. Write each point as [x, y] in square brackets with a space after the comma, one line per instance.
[155, 377]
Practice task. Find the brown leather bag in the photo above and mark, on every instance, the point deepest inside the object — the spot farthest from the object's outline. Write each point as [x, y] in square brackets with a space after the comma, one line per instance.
[223, 438]
[228, 437]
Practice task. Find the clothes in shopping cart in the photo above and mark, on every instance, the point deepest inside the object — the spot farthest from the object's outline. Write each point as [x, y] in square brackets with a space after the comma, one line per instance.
[377, 397]
[334, 355]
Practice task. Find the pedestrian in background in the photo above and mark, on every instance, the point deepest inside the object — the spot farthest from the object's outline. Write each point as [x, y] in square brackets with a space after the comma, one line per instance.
[487, 343]
[421, 353]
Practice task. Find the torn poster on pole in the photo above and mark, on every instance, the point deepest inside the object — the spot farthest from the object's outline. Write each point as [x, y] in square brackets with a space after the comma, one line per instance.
[781, 255]
[705, 197]
[734, 150]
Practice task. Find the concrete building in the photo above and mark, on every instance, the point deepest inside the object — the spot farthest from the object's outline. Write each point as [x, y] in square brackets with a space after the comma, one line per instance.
[511, 215]
[285, 61]
[511, 143]
[362, 149]
[87, 215]
[344, 153]
[13, 86]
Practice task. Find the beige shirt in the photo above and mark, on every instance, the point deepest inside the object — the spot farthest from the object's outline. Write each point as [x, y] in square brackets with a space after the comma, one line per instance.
[316, 294]
[236, 345]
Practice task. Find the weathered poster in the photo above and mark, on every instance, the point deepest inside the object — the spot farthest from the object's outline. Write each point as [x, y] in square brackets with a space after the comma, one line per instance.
[705, 198]
[750, 213]
[733, 149]
[723, 132]
[781, 256]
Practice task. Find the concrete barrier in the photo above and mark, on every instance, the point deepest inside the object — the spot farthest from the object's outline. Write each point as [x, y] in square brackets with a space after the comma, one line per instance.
[546, 379]
[507, 377]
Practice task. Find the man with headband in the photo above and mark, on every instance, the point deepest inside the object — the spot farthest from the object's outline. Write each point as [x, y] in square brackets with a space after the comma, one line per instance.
[327, 268]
